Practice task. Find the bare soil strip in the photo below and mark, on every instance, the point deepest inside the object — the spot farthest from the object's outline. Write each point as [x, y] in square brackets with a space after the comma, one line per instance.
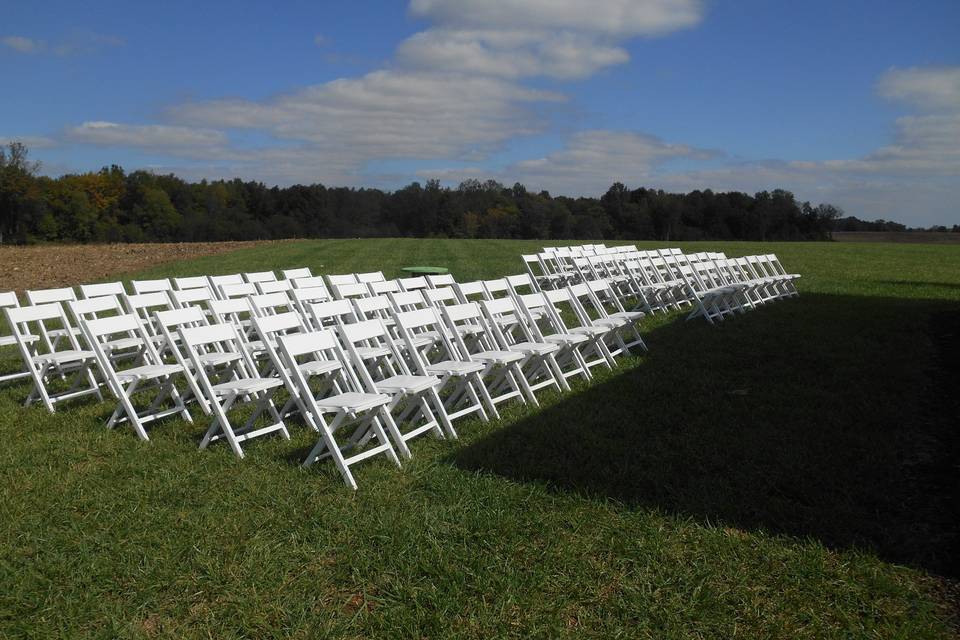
[42, 266]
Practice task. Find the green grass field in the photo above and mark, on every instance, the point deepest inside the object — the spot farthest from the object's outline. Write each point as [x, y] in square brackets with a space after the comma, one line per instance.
[791, 473]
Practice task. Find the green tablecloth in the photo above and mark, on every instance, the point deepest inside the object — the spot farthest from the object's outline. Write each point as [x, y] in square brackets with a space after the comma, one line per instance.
[432, 271]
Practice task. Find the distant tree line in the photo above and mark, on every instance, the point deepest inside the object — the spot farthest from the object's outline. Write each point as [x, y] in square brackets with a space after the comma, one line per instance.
[852, 223]
[114, 206]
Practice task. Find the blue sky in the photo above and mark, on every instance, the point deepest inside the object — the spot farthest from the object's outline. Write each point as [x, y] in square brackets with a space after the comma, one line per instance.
[854, 103]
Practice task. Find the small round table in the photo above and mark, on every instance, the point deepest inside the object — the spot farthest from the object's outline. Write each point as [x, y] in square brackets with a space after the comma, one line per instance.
[425, 271]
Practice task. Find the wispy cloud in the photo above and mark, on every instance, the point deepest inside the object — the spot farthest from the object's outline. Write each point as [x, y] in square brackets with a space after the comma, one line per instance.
[78, 42]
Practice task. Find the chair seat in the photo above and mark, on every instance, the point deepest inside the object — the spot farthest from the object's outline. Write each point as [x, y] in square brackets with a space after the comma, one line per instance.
[407, 384]
[535, 348]
[353, 401]
[217, 358]
[630, 316]
[454, 368]
[6, 341]
[469, 329]
[317, 367]
[611, 322]
[497, 357]
[149, 371]
[57, 333]
[590, 331]
[63, 357]
[368, 353]
[247, 385]
[122, 343]
[566, 338]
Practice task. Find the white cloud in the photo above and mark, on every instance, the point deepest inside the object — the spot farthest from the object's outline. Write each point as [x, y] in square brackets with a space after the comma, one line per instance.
[31, 142]
[930, 88]
[385, 114]
[618, 18]
[146, 136]
[588, 164]
[21, 44]
[79, 41]
[510, 54]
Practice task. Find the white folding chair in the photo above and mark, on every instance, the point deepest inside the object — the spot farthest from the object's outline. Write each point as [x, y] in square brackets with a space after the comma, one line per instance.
[462, 387]
[170, 322]
[414, 398]
[200, 296]
[126, 382]
[268, 330]
[42, 364]
[225, 385]
[539, 366]
[569, 318]
[569, 357]
[502, 375]
[8, 300]
[597, 295]
[367, 412]
[51, 336]
[102, 307]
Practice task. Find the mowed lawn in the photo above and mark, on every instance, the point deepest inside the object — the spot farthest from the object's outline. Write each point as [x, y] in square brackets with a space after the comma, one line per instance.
[790, 473]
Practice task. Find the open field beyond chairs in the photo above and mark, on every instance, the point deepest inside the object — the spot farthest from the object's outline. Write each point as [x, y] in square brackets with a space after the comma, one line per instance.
[543, 444]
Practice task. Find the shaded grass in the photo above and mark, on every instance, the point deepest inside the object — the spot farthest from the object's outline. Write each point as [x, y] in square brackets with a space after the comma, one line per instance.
[788, 474]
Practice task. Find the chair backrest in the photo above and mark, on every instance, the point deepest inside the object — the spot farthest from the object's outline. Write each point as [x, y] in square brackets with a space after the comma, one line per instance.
[408, 300]
[260, 276]
[144, 305]
[497, 288]
[383, 287]
[46, 296]
[441, 296]
[151, 286]
[309, 282]
[271, 303]
[293, 274]
[273, 286]
[522, 281]
[370, 333]
[191, 282]
[470, 291]
[102, 289]
[341, 278]
[302, 297]
[20, 319]
[93, 308]
[413, 284]
[216, 282]
[189, 297]
[370, 276]
[441, 280]
[413, 323]
[238, 290]
[332, 313]
[377, 307]
[350, 290]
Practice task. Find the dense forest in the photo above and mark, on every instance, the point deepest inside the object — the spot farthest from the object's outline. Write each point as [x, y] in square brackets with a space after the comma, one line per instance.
[114, 206]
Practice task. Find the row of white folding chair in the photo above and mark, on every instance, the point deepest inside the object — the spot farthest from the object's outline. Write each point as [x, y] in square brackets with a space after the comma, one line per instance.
[678, 279]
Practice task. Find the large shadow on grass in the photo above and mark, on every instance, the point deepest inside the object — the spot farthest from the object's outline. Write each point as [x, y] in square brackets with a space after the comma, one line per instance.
[825, 416]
